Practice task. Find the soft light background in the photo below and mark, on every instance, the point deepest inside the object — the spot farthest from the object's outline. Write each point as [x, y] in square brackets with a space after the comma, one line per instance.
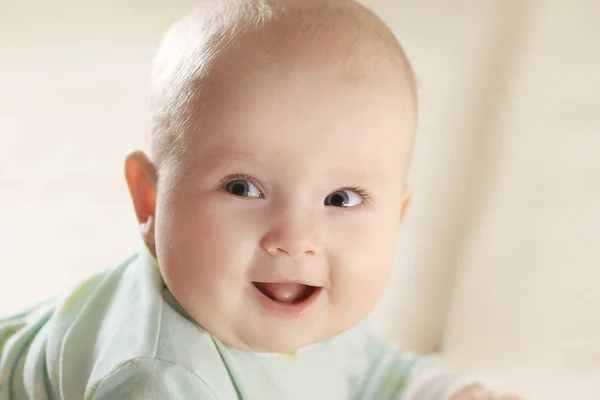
[499, 264]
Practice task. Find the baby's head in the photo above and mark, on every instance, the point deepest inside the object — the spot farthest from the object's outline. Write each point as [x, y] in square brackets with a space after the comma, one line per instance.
[274, 190]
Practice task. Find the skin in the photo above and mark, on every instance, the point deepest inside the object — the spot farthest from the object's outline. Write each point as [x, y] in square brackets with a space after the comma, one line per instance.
[296, 134]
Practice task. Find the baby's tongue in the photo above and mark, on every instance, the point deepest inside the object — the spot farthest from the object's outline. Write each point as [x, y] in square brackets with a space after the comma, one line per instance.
[284, 292]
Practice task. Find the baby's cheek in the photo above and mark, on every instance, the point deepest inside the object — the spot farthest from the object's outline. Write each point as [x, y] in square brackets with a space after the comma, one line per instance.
[357, 285]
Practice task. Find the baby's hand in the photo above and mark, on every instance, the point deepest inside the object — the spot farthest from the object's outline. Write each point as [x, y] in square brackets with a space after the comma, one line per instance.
[479, 393]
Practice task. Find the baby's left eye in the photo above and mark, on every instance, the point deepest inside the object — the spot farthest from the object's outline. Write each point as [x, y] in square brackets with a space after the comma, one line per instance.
[344, 198]
[243, 188]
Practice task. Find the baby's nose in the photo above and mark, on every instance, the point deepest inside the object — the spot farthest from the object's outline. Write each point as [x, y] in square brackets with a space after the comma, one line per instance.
[292, 238]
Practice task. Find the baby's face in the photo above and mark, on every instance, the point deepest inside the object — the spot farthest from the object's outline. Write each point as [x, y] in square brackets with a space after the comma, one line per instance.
[278, 229]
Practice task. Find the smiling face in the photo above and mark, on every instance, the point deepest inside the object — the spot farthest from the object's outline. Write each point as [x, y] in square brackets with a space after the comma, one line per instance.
[277, 228]
[279, 149]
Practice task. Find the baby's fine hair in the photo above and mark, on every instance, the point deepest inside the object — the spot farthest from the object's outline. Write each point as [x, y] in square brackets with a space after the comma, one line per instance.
[341, 31]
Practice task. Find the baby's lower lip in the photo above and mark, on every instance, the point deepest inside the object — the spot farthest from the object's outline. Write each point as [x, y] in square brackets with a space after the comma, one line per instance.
[286, 309]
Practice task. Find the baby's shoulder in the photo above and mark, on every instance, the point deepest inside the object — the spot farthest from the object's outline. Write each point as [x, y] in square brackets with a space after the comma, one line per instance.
[110, 330]
[128, 331]
[150, 378]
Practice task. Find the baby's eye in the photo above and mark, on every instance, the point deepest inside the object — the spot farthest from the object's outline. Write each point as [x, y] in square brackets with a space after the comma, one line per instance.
[344, 198]
[243, 188]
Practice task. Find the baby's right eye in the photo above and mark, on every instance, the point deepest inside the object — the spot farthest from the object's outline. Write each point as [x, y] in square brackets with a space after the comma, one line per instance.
[242, 188]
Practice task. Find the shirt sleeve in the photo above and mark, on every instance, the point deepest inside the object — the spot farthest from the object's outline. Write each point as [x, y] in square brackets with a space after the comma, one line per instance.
[150, 379]
[396, 375]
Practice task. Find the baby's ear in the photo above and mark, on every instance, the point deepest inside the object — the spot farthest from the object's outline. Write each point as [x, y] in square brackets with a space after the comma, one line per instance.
[405, 202]
[141, 178]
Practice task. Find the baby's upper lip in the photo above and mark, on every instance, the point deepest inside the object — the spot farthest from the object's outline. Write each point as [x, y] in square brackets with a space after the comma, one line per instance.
[313, 274]
[312, 281]
[288, 281]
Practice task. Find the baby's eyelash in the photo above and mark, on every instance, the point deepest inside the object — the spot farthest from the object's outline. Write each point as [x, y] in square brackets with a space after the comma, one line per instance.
[360, 191]
[236, 177]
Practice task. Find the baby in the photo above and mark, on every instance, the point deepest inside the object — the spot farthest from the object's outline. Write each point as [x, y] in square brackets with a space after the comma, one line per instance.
[269, 205]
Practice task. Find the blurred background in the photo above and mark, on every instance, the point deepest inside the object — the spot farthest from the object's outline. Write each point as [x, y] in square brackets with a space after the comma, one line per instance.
[499, 262]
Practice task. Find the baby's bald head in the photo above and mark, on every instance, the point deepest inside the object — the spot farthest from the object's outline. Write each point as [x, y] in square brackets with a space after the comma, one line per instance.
[225, 40]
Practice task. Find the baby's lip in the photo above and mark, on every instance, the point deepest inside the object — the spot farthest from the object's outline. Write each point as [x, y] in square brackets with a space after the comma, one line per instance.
[315, 273]
[302, 278]
[288, 293]
[304, 282]
[287, 302]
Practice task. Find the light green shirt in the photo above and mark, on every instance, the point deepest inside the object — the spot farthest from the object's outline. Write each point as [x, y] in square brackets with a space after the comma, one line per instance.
[121, 335]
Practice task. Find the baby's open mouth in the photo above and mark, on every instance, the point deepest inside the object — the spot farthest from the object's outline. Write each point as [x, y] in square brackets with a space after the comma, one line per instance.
[286, 293]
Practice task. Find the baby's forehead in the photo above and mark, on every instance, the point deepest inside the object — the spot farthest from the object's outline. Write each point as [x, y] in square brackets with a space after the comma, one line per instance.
[308, 126]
